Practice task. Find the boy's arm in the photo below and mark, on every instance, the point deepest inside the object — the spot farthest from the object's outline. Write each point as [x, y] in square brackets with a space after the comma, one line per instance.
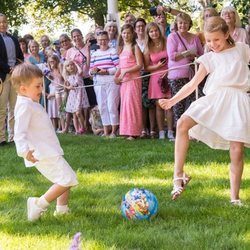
[22, 120]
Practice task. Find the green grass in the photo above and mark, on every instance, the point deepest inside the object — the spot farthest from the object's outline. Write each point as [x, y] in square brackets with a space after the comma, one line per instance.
[201, 219]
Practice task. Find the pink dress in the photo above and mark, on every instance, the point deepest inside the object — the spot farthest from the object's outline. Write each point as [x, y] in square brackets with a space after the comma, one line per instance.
[154, 90]
[131, 98]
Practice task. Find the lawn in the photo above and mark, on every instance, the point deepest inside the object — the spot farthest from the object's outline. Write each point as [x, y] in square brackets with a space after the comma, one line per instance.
[107, 168]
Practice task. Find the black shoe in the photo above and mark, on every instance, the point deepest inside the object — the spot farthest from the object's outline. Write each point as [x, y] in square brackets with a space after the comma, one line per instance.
[3, 143]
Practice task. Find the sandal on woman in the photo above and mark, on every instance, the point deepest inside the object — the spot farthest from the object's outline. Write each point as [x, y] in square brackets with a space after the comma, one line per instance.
[236, 203]
[178, 190]
[153, 135]
[143, 134]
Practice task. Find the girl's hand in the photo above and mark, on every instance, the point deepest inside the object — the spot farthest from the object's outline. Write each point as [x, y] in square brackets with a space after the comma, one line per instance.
[165, 103]
[30, 157]
[161, 63]
[94, 71]
[123, 73]
[117, 80]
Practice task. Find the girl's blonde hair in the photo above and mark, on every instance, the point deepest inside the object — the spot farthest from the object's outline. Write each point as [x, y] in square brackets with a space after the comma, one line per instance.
[237, 17]
[120, 39]
[216, 23]
[55, 58]
[65, 73]
[148, 40]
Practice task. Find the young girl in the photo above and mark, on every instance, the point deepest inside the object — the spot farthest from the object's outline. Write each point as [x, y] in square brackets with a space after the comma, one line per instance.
[77, 97]
[155, 59]
[52, 106]
[131, 62]
[225, 91]
[56, 78]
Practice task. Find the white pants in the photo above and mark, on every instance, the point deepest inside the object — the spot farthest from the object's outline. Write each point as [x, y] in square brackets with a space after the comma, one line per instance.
[108, 99]
[57, 170]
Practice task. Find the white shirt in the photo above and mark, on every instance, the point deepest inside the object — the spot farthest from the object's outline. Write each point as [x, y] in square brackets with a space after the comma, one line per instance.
[34, 131]
[228, 68]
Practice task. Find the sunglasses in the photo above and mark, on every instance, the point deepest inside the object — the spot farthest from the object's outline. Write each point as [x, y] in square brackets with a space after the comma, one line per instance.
[100, 33]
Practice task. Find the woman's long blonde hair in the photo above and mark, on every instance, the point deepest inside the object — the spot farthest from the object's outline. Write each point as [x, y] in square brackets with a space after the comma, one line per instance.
[148, 40]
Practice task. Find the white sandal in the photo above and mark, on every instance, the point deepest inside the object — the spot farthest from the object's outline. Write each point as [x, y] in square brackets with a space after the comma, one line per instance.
[178, 190]
[237, 203]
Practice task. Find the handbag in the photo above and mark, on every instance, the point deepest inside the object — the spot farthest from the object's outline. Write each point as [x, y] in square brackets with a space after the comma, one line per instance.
[191, 71]
[164, 84]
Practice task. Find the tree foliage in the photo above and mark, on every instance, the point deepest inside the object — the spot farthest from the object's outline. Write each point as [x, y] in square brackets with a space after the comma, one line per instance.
[14, 10]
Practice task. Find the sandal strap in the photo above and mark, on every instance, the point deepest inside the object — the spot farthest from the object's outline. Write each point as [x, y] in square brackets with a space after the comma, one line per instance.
[177, 190]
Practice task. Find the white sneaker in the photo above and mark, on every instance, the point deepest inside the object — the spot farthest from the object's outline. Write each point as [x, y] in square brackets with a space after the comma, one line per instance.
[162, 134]
[60, 213]
[33, 210]
[62, 210]
[112, 136]
[171, 135]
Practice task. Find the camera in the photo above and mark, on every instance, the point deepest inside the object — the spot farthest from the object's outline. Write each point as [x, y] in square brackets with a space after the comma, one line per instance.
[153, 11]
[93, 41]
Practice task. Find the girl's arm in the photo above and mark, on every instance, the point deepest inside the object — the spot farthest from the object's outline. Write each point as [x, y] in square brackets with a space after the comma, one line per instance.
[139, 63]
[151, 68]
[186, 90]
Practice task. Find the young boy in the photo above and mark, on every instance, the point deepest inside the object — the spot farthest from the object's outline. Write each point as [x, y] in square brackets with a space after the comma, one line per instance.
[38, 144]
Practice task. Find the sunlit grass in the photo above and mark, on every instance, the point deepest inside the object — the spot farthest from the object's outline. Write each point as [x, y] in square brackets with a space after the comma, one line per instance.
[201, 219]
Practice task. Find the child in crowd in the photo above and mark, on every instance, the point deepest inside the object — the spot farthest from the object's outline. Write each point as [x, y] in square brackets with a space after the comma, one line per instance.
[225, 93]
[37, 142]
[77, 96]
[52, 106]
[155, 60]
[131, 62]
[96, 121]
[57, 80]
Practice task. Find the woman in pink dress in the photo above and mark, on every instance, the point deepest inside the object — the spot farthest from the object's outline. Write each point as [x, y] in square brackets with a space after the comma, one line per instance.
[155, 59]
[131, 62]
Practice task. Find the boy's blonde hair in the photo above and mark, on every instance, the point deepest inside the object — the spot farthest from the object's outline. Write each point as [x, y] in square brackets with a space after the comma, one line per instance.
[24, 73]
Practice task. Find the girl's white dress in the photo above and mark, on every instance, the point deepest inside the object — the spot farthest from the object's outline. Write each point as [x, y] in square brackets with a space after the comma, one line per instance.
[52, 106]
[77, 98]
[223, 114]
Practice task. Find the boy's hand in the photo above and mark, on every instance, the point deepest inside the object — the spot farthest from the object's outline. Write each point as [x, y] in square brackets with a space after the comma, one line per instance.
[165, 103]
[30, 157]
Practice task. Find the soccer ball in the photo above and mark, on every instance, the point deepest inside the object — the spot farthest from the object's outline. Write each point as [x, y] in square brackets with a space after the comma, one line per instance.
[139, 204]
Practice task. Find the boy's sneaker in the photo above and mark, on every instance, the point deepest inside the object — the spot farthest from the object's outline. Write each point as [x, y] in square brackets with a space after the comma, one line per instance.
[162, 134]
[33, 210]
[61, 210]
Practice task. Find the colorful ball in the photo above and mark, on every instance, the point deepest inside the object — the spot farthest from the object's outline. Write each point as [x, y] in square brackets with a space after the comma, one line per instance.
[139, 204]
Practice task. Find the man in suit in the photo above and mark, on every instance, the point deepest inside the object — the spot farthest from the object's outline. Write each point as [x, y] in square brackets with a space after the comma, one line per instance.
[10, 55]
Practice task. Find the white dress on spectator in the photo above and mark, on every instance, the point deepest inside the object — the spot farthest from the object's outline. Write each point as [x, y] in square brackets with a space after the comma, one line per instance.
[52, 105]
[223, 114]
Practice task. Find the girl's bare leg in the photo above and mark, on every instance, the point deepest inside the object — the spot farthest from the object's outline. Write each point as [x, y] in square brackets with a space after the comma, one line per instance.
[236, 168]
[181, 146]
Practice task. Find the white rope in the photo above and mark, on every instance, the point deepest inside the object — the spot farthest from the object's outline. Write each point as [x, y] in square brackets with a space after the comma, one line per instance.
[136, 78]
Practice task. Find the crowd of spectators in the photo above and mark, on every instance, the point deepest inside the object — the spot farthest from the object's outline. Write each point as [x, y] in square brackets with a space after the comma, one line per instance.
[108, 82]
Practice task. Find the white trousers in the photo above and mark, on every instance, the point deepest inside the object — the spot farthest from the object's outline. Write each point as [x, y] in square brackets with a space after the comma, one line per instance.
[108, 99]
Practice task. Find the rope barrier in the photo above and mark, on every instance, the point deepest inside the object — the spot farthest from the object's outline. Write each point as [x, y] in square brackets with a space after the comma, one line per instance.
[136, 78]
